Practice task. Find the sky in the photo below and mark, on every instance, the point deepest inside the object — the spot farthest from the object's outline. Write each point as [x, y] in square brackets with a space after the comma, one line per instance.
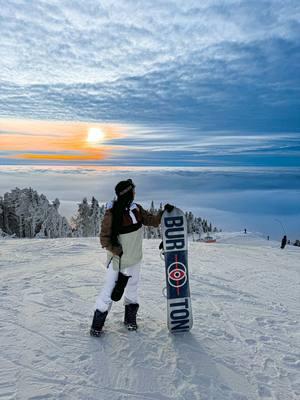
[221, 65]
[117, 144]
[172, 84]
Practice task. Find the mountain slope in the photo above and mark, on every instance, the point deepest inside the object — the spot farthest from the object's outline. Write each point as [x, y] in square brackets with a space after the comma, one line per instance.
[244, 344]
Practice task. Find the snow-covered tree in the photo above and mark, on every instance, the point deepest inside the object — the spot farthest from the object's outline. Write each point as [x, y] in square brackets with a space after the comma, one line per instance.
[1, 213]
[25, 213]
[3, 234]
[81, 220]
[149, 231]
[56, 204]
[95, 215]
[88, 218]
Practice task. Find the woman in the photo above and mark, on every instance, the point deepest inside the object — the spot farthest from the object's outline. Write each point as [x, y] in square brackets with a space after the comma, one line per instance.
[121, 235]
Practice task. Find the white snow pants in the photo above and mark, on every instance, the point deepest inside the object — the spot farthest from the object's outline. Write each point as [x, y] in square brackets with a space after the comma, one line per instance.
[104, 301]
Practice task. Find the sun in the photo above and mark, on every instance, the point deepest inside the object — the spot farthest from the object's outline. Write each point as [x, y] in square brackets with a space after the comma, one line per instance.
[95, 135]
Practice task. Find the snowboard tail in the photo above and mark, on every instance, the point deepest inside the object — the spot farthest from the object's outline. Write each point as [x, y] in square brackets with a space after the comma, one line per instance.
[174, 229]
[180, 317]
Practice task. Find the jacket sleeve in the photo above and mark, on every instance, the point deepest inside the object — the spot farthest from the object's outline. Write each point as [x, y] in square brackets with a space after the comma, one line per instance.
[105, 234]
[149, 219]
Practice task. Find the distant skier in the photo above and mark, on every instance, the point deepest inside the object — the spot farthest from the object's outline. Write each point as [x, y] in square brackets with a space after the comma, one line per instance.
[283, 242]
[121, 234]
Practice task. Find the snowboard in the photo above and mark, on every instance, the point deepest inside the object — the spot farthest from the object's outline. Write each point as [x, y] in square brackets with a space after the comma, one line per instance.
[175, 251]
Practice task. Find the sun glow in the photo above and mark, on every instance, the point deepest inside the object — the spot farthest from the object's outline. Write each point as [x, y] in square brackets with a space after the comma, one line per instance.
[57, 141]
[95, 135]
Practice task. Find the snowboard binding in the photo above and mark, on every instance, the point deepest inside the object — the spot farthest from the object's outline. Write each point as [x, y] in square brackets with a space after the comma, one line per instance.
[162, 251]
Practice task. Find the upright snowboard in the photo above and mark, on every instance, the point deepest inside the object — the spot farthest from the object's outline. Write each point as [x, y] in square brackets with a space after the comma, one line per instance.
[174, 231]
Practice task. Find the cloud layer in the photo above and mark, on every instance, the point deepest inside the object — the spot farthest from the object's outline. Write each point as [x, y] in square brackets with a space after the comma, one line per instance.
[233, 198]
[31, 141]
[222, 65]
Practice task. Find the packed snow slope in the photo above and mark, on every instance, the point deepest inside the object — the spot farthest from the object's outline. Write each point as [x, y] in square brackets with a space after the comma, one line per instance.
[245, 343]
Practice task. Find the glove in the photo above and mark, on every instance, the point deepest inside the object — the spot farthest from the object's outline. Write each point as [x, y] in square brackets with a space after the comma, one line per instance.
[120, 286]
[118, 252]
[169, 208]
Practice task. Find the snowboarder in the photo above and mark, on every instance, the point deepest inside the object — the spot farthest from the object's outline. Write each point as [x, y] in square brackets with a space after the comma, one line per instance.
[121, 236]
[283, 242]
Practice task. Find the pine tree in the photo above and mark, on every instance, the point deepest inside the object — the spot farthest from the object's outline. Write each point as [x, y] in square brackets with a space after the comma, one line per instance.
[88, 219]
[25, 213]
[95, 217]
[82, 220]
[1, 214]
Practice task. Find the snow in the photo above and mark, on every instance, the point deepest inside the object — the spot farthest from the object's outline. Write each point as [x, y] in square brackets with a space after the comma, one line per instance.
[245, 343]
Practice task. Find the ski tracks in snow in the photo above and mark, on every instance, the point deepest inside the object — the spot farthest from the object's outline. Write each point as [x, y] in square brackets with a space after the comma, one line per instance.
[248, 306]
[244, 344]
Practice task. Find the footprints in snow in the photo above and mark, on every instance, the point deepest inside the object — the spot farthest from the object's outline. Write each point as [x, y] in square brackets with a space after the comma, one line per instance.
[4, 290]
[292, 361]
[251, 342]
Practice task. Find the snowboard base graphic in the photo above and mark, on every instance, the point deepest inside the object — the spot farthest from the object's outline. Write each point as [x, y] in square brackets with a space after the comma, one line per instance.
[174, 231]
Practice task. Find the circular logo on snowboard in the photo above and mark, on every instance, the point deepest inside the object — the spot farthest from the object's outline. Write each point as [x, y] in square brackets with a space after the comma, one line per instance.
[177, 274]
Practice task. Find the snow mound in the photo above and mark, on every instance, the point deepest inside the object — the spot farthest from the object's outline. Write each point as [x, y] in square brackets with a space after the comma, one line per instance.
[245, 343]
[241, 238]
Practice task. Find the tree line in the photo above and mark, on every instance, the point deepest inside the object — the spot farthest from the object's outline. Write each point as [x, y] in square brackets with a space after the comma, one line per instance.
[26, 214]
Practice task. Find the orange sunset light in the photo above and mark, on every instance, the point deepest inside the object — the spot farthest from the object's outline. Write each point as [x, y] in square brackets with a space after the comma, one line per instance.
[57, 140]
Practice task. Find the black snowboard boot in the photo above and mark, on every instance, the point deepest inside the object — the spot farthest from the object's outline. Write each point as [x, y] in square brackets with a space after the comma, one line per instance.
[98, 322]
[130, 316]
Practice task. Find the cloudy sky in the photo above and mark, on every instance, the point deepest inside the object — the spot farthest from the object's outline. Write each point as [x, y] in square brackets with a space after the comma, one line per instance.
[218, 65]
[182, 84]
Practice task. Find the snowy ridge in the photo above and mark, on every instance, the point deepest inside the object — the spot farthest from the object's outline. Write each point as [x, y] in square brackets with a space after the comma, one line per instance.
[244, 344]
[240, 238]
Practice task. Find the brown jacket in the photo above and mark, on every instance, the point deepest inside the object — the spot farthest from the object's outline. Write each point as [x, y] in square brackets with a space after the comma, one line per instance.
[133, 220]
